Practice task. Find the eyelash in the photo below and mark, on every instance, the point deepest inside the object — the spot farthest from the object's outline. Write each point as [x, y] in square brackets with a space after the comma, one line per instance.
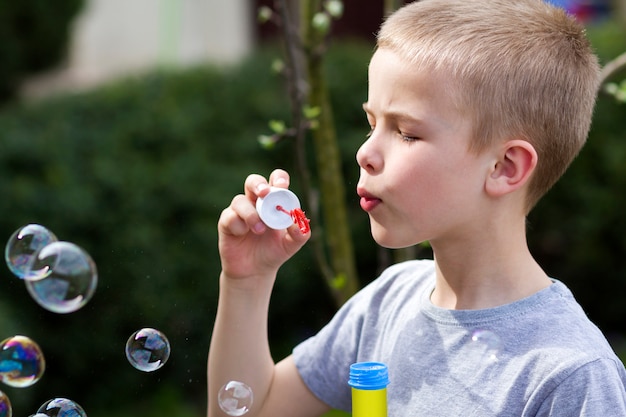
[405, 138]
[408, 138]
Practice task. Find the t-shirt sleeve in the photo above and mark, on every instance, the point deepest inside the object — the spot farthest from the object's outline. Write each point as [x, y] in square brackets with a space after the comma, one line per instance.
[595, 389]
[324, 360]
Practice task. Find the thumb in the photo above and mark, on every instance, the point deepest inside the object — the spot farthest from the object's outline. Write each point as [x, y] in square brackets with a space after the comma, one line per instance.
[295, 239]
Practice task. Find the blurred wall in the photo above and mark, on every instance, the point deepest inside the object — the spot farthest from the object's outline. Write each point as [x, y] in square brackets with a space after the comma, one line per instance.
[113, 38]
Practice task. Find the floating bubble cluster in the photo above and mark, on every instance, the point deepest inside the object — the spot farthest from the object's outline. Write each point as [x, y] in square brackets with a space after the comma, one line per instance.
[21, 362]
[72, 281]
[235, 398]
[60, 276]
[5, 406]
[147, 349]
[22, 248]
[60, 407]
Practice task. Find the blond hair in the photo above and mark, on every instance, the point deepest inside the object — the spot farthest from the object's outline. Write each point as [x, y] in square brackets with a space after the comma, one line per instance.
[519, 68]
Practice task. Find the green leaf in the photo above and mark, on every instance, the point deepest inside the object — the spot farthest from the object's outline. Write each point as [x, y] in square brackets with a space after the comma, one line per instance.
[334, 8]
[321, 22]
[311, 112]
[264, 14]
[267, 142]
[339, 282]
[278, 66]
[277, 126]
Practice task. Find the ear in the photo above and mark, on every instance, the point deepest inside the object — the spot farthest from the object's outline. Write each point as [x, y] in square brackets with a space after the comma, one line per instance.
[514, 165]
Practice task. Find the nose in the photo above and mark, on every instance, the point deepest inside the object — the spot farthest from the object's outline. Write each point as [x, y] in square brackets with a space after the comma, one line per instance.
[369, 156]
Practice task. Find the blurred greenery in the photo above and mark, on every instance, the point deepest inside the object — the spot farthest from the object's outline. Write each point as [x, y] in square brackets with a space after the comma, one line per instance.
[137, 173]
[34, 36]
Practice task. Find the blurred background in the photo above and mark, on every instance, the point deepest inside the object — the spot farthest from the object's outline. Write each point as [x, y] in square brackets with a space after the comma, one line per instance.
[126, 126]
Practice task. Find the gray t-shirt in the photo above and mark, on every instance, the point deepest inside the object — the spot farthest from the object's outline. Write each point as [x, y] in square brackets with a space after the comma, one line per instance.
[539, 356]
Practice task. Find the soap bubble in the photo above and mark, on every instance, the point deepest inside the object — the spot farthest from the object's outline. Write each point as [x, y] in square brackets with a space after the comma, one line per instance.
[22, 248]
[21, 362]
[5, 406]
[61, 407]
[235, 398]
[487, 344]
[72, 280]
[147, 349]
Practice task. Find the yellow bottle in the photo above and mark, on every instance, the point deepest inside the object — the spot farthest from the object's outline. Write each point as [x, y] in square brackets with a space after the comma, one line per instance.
[369, 382]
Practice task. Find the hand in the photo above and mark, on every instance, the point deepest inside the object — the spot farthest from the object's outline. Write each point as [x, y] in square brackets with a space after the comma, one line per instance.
[248, 248]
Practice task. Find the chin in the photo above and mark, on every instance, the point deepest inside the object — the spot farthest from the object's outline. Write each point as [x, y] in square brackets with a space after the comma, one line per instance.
[388, 240]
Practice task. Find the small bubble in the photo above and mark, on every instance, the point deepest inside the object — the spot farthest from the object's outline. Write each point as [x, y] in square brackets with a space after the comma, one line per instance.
[21, 362]
[5, 406]
[22, 248]
[147, 349]
[72, 280]
[58, 407]
[488, 344]
[235, 398]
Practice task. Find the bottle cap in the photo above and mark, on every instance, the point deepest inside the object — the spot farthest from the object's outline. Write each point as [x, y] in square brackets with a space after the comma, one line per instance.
[368, 375]
[270, 215]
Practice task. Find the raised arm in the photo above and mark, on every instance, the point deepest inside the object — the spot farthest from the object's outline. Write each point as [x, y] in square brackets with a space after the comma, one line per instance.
[251, 255]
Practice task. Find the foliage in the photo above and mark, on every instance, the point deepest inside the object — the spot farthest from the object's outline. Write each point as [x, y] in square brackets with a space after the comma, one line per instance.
[305, 42]
[137, 174]
[34, 36]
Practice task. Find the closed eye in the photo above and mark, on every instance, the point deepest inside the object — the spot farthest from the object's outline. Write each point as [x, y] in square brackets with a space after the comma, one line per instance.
[408, 138]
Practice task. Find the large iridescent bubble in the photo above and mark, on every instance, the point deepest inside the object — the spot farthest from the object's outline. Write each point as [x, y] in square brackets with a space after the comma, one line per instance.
[147, 349]
[21, 250]
[61, 407]
[72, 280]
[21, 362]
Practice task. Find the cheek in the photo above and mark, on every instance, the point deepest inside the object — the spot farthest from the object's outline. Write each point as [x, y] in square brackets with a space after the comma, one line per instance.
[436, 184]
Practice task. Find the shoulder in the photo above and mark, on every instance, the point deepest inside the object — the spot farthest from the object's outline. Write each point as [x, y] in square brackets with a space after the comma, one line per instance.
[560, 352]
[597, 387]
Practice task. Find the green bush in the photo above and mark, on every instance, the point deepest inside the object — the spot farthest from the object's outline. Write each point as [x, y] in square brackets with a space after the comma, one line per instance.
[34, 37]
[137, 174]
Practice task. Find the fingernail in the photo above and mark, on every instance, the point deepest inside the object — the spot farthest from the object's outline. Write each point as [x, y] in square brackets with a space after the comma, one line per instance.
[261, 187]
[259, 227]
[280, 180]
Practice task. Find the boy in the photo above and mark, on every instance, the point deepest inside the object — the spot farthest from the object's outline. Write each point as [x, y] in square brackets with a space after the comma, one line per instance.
[476, 108]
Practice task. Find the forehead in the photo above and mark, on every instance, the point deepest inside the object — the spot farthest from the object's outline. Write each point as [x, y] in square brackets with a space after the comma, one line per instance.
[411, 88]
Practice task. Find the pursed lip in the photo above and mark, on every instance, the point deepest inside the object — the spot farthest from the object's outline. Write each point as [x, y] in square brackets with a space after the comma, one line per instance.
[368, 201]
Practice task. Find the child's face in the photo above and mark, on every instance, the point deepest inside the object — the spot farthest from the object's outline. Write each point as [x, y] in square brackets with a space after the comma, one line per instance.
[418, 180]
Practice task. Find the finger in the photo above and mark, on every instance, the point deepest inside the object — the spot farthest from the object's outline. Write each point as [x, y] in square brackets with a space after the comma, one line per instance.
[256, 186]
[231, 224]
[279, 178]
[297, 237]
[241, 217]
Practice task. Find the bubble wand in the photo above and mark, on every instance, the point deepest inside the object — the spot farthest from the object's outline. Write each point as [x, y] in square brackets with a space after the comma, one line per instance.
[280, 208]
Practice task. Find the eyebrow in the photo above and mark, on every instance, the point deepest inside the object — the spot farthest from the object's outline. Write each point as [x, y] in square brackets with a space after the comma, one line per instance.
[402, 117]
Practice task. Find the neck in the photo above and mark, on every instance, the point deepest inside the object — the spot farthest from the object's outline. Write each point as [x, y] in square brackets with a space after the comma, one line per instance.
[489, 269]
